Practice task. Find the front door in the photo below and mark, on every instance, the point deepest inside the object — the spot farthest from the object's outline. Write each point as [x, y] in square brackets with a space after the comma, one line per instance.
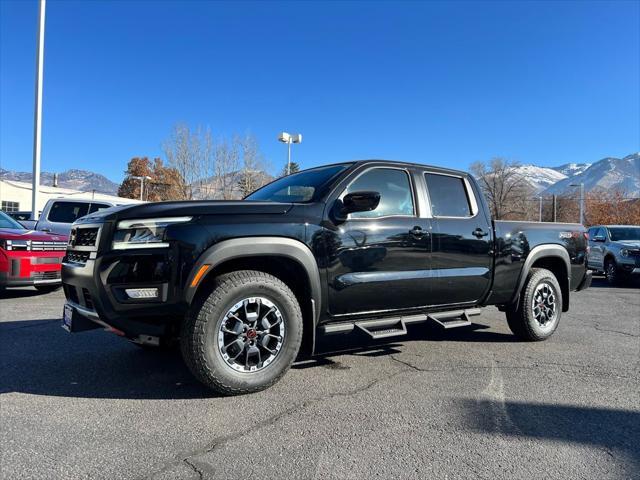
[379, 260]
[462, 238]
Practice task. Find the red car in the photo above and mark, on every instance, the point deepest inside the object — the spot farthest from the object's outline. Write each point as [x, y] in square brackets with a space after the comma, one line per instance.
[28, 257]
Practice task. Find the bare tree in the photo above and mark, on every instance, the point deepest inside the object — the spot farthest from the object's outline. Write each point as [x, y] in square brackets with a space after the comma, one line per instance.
[506, 190]
[252, 176]
[227, 166]
[191, 154]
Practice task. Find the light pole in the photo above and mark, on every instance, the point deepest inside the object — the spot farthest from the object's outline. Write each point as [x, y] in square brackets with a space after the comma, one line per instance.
[289, 138]
[581, 185]
[142, 179]
[37, 117]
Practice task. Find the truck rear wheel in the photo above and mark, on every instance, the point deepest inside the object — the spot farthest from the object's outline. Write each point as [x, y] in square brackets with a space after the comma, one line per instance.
[244, 335]
[539, 309]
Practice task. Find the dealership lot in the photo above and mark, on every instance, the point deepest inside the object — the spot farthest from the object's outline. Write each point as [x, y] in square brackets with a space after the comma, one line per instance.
[472, 402]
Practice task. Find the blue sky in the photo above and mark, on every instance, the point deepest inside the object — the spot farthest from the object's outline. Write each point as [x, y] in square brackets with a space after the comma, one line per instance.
[438, 83]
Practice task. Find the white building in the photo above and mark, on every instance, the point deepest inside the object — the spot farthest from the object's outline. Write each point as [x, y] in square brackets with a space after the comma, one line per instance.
[16, 196]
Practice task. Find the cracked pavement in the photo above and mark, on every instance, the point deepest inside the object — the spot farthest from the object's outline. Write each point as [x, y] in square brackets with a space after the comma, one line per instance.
[470, 402]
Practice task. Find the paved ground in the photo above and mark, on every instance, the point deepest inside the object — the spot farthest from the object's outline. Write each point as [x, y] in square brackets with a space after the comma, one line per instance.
[461, 404]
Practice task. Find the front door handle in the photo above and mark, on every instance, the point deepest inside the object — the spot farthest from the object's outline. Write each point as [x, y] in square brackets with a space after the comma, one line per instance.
[478, 232]
[417, 232]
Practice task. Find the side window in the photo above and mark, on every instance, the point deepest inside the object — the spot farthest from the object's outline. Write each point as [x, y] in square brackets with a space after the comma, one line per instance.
[448, 196]
[394, 188]
[592, 233]
[67, 212]
[96, 207]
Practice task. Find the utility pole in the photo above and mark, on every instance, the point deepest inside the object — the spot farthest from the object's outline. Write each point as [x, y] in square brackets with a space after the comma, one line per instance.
[37, 121]
[540, 213]
[555, 208]
[581, 185]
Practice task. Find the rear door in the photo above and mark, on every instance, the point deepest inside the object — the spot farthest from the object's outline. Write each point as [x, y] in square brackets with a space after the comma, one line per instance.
[462, 240]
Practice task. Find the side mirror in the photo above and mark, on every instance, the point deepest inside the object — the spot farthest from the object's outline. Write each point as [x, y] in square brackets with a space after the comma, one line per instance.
[356, 202]
[599, 238]
[360, 202]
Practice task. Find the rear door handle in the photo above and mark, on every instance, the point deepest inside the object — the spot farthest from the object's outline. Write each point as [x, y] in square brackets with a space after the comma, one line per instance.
[478, 232]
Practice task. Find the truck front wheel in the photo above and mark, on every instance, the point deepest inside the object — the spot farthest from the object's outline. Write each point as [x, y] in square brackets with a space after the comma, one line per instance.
[244, 335]
[539, 309]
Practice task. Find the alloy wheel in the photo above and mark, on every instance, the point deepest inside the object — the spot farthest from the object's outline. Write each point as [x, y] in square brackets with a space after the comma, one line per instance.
[545, 306]
[251, 334]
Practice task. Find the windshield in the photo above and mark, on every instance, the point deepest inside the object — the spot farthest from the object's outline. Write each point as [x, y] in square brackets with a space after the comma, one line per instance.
[624, 233]
[7, 222]
[299, 187]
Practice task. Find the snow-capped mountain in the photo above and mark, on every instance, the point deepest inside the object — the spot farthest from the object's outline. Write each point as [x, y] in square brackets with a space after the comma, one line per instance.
[540, 178]
[75, 179]
[622, 174]
[571, 169]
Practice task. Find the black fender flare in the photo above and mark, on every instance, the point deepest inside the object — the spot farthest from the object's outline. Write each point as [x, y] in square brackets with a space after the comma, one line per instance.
[260, 246]
[538, 252]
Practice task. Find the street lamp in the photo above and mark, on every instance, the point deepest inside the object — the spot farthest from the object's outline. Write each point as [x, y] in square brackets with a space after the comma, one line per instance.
[581, 185]
[289, 138]
[142, 179]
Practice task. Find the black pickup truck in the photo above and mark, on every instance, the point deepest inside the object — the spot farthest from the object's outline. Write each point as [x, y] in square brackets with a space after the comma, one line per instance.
[245, 287]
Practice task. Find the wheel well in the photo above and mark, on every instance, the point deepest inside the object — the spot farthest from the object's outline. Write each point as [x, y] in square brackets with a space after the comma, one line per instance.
[286, 269]
[558, 267]
[607, 257]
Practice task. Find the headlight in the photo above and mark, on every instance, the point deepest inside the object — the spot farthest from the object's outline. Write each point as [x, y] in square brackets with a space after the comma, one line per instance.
[624, 252]
[145, 233]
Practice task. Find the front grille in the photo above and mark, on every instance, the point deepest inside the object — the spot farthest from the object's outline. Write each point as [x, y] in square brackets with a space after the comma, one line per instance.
[48, 246]
[45, 275]
[84, 237]
[634, 253]
[77, 257]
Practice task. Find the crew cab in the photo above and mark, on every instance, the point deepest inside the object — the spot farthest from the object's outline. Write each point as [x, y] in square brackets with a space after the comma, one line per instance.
[246, 287]
[29, 258]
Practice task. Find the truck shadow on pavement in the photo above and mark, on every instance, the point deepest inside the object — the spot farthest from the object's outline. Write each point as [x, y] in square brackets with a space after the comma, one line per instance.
[39, 357]
[614, 431]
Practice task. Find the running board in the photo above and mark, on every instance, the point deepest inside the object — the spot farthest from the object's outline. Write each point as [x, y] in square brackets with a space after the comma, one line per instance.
[383, 328]
[395, 326]
[451, 319]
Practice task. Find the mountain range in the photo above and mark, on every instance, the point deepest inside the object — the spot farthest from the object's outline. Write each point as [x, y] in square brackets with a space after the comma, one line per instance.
[74, 179]
[608, 174]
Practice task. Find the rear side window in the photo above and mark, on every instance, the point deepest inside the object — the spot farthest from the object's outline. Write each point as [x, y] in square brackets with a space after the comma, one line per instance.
[448, 196]
[67, 212]
[393, 185]
[96, 207]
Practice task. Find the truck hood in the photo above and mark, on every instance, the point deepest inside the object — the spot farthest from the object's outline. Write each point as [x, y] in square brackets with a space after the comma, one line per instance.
[187, 208]
[15, 234]
[628, 243]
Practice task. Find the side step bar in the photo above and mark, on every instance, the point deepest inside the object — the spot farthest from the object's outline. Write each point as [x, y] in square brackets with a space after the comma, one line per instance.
[396, 326]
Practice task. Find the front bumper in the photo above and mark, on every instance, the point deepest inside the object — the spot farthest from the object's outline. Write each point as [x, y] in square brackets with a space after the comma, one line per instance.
[95, 280]
[27, 268]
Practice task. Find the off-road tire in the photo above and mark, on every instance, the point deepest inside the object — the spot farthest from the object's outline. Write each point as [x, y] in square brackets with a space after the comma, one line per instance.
[522, 321]
[47, 288]
[199, 333]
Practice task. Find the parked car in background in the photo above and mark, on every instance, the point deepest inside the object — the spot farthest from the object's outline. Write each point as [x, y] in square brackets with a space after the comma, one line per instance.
[615, 251]
[24, 218]
[28, 257]
[59, 213]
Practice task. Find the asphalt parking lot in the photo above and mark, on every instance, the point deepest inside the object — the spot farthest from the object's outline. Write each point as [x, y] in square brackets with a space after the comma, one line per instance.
[467, 403]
